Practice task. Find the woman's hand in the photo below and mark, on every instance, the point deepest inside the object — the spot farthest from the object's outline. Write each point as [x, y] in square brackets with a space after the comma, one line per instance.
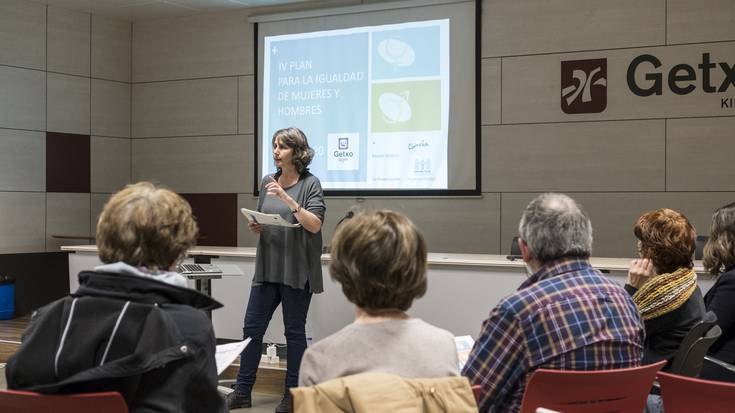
[308, 220]
[640, 272]
[274, 189]
[254, 227]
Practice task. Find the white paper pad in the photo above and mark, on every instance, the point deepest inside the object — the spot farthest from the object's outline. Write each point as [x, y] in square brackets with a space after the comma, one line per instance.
[464, 346]
[267, 219]
[227, 353]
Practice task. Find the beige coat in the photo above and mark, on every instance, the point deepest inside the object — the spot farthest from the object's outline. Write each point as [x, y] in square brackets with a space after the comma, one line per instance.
[382, 392]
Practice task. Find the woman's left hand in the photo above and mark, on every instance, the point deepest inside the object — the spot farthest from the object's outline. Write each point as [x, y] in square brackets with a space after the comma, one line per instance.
[640, 272]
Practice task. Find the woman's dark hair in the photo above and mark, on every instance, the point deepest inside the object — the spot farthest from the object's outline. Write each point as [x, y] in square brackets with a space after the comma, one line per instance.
[295, 139]
[719, 251]
[667, 238]
[379, 258]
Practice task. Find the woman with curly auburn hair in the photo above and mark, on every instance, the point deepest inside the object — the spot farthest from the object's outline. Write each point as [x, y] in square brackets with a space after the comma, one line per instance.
[663, 282]
[288, 266]
[133, 326]
[719, 260]
[379, 259]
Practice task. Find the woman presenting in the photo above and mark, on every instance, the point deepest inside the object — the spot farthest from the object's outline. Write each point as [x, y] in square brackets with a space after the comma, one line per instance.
[288, 263]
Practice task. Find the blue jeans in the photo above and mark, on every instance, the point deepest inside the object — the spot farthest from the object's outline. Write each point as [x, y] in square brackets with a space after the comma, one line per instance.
[264, 300]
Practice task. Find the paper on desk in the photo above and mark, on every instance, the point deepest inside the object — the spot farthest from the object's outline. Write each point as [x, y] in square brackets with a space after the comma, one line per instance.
[266, 219]
[227, 353]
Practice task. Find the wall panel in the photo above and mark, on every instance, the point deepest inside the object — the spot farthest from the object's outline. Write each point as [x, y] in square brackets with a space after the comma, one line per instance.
[202, 164]
[700, 21]
[23, 34]
[111, 43]
[699, 155]
[22, 160]
[68, 42]
[67, 215]
[22, 227]
[185, 108]
[22, 98]
[110, 164]
[512, 27]
[581, 156]
[210, 45]
[110, 108]
[68, 105]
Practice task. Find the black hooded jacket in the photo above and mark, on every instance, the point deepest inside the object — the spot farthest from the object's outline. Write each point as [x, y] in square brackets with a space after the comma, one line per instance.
[146, 339]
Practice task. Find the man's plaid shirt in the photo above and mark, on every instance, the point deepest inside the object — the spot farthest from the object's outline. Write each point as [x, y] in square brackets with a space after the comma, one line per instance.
[566, 316]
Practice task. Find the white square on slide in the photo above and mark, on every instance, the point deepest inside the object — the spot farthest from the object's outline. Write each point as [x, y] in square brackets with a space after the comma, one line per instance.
[343, 151]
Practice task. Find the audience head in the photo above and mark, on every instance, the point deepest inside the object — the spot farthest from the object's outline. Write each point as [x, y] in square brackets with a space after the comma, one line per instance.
[295, 139]
[379, 258]
[667, 238]
[719, 252]
[554, 226]
[146, 226]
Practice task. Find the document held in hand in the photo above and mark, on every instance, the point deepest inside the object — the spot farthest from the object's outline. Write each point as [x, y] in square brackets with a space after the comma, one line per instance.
[266, 219]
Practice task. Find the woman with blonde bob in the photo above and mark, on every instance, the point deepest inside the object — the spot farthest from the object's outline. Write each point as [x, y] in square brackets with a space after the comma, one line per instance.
[132, 326]
[719, 260]
[379, 259]
[663, 282]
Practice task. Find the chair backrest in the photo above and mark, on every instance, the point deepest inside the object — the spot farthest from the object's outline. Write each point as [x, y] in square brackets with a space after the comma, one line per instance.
[620, 390]
[515, 249]
[688, 394]
[477, 392]
[29, 402]
[717, 370]
[691, 363]
[699, 246]
[697, 331]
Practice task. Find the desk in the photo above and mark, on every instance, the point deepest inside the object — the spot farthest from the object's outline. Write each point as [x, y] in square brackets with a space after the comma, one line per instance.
[462, 290]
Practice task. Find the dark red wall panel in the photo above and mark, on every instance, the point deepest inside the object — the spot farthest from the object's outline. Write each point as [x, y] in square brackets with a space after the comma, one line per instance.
[217, 218]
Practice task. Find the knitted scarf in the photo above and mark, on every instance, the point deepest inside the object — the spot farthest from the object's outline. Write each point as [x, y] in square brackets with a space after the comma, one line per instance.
[665, 293]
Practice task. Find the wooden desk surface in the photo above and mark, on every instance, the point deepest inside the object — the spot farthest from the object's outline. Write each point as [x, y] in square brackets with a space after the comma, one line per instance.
[434, 258]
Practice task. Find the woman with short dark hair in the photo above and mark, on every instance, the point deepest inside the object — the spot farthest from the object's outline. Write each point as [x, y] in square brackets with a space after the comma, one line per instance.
[719, 260]
[379, 259]
[288, 267]
[663, 282]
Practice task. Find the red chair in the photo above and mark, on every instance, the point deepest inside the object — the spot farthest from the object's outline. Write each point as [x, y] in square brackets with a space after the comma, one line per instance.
[476, 390]
[28, 402]
[569, 391]
[688, 394]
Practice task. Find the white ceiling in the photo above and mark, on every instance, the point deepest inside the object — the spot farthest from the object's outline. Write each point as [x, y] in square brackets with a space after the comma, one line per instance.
[137, 10]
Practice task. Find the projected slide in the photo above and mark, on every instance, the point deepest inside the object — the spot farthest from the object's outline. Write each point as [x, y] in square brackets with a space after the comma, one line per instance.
[374, 102]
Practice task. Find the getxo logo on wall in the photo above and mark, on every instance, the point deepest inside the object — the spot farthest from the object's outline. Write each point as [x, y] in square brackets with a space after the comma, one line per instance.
[584, 82]
[584, 86]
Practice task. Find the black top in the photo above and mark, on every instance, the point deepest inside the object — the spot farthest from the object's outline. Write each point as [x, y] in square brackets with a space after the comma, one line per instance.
[664, 333]
[720, 299]
[146, 339]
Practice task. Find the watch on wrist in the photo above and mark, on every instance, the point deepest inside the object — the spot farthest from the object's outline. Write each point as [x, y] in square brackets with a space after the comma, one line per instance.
[297, 209]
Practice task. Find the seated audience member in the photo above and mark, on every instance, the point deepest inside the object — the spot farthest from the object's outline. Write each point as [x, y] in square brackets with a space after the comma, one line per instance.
[379, 258]
[719, 260]
[565, 316]
[663, 282]
[132, 326]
